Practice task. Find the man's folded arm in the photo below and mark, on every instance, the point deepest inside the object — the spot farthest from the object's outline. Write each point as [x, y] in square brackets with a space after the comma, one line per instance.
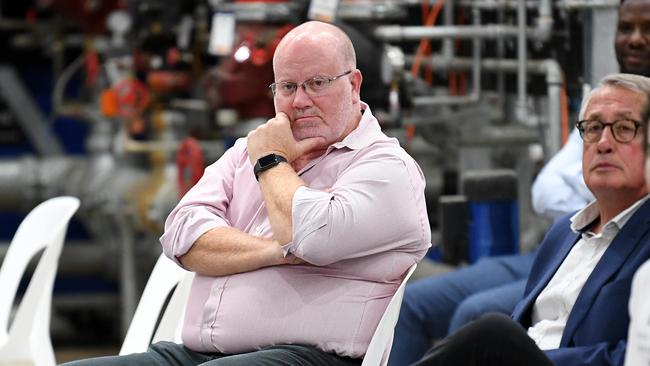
[374, 207]
[278, 187]
[198, 235]
[225, 250]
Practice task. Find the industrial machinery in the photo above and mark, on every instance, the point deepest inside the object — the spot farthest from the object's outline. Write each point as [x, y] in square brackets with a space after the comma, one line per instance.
[122, 103]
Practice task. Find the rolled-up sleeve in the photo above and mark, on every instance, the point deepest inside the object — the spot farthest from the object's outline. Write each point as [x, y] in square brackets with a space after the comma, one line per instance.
[376, 205]
[203, 207]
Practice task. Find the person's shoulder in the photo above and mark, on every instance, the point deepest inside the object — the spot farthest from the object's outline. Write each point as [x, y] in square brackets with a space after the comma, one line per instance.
[559, 229]
[387, 148]
[235, 154]
[562, 223]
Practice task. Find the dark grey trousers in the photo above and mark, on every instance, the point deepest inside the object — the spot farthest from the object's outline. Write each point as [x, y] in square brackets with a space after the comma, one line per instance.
[492, 340]
[172, 354]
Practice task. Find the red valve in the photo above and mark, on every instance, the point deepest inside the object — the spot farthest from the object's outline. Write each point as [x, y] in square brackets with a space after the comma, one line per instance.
[91, 61]
[132, 97]
[189, 161]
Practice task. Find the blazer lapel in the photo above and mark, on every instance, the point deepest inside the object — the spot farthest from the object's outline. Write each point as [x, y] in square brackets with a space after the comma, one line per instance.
[614, 257]
[567, 243]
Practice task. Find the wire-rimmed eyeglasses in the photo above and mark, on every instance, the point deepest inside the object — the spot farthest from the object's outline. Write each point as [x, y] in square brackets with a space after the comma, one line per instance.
[314, 86]
[623, 130]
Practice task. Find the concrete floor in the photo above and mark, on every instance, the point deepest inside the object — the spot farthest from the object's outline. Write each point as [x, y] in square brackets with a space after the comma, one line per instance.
[66, 354]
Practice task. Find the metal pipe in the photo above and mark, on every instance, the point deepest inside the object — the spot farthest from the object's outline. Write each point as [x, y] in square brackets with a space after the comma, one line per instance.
[488, 4]
[560, 4]
[396, 33]
[549, 67]
[587, 4]
[541, 32]
[521, 61]
[544, 21]
[260, 12]
[487, 64]
[27, 181]
[61, 81]
[501, 51]
[553, 136]
[554, 82]
[494, 4]
[472, 97]
[476, 59]
[448, 44]
[128, 287]
[443, 100]
[354, 11]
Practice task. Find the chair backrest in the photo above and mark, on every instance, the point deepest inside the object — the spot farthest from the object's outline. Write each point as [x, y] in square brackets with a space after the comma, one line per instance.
[638, 340]
[382, 340]
[28, 337]
[166, 277]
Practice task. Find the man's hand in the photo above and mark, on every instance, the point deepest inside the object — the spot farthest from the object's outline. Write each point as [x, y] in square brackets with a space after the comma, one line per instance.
[275, 136]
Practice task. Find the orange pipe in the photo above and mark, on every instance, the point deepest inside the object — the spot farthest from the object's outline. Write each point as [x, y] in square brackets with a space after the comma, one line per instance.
[422, 47]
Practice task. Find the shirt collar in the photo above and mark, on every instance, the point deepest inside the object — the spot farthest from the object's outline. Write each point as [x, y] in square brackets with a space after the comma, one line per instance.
[367, 132]
[587, 215]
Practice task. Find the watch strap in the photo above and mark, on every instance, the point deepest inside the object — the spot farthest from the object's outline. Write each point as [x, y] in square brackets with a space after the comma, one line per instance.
[267, 162]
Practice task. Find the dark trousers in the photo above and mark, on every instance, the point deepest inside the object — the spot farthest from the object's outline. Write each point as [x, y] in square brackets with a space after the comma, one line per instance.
[172, 354]
[494, 339]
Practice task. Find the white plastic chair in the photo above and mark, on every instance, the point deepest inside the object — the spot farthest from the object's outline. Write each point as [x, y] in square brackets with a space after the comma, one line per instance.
[28, 341]
[382, 340]
[164, 278]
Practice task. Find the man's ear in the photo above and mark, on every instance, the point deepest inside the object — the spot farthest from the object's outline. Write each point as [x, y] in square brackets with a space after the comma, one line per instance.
[355, 82]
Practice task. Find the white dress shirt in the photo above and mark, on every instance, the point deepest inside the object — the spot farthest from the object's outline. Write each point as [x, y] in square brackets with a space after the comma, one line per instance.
[553, 305]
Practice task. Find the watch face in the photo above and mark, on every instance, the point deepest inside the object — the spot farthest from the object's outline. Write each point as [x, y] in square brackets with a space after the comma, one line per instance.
[267, 160]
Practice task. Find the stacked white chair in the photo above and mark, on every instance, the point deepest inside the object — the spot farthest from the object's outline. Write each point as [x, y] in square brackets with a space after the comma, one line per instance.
[165, 278]
[27, 340]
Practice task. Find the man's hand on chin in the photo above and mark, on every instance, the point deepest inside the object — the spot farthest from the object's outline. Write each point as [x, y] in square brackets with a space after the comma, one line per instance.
[275, 136]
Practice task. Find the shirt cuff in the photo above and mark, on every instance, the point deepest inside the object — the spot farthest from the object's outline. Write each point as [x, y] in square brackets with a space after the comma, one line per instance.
[308, 214]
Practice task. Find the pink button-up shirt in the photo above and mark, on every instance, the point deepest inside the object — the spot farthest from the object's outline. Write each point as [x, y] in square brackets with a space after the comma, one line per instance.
[359, 225]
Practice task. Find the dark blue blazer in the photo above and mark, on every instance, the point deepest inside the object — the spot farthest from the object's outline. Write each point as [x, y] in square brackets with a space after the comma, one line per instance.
[596, 331]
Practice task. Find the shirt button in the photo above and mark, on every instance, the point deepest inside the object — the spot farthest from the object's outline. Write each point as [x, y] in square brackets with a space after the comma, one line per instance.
[258, 229]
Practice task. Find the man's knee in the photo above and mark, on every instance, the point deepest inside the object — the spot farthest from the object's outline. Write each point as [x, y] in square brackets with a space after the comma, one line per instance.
[466, 312]
[493, 327]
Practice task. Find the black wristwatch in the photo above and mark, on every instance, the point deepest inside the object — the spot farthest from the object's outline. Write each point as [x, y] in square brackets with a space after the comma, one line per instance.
[267, 162]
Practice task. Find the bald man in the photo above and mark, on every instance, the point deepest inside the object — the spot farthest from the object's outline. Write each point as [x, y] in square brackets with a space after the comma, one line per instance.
[300, 233]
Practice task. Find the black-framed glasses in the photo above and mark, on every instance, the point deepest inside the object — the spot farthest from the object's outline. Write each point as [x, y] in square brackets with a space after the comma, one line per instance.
[314, 86]
[623, 130]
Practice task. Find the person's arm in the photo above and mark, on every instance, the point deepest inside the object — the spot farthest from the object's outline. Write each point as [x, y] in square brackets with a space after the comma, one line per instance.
[601, 354]
[560, 188]
[278, 186]
[376, 205]
[279, 183]
[198, 235]
[225, 250]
